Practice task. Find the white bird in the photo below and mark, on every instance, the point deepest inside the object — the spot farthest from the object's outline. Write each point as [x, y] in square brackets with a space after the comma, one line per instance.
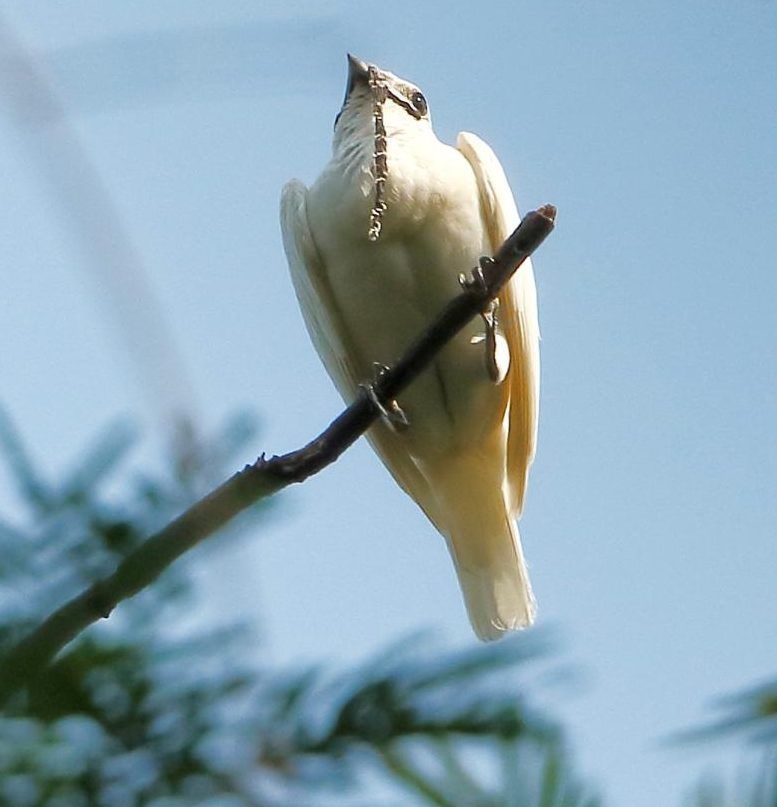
[373, 261]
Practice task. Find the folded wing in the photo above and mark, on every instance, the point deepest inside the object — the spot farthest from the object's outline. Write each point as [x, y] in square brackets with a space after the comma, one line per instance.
[517, 314]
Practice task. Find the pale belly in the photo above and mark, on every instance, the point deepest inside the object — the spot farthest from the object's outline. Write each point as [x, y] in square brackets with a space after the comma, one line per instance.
[388, 292]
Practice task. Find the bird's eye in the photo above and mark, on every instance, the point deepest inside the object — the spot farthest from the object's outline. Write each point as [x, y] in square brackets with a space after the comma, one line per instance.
[419, 103]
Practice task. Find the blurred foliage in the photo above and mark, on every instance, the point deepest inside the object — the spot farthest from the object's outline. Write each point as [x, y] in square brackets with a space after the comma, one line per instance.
[133, 713]
[754, 786]
[751, 714]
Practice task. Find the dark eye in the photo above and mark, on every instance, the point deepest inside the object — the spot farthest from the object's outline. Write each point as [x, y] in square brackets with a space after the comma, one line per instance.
[419, 103]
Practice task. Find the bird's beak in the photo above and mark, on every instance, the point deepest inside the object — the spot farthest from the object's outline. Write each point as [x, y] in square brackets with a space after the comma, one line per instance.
[358, 73]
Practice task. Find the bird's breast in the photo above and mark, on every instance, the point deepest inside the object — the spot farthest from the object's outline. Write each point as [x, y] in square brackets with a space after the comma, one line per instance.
[387, 292]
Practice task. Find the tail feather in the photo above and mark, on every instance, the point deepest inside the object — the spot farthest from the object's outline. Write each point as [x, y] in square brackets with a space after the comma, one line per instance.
[494, 580]
[485, 545]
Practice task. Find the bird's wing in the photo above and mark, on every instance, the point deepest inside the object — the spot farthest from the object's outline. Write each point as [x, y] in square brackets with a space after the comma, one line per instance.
[312, 289]
[329, 335]
[517, 315]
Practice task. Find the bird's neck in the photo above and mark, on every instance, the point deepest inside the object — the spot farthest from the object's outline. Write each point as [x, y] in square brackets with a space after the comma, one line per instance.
[354, 139]
[353, 146]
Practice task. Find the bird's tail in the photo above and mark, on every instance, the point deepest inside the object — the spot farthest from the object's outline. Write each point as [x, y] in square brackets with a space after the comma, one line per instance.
[485, 545]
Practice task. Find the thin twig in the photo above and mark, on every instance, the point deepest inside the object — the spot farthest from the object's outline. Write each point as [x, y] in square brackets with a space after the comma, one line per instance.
[258, 481]
[456, 774]
[406, 773]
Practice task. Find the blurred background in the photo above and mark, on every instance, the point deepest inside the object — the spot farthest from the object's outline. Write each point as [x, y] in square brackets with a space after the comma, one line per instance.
[143, 148]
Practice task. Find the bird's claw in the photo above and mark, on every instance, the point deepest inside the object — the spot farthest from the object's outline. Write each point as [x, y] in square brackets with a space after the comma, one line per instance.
[391, 412]
[490, 321]
[476, 280]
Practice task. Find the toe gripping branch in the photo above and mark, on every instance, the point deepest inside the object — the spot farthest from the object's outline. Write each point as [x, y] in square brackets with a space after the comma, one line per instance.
[476, 283]
[476, 280]
[391, 413]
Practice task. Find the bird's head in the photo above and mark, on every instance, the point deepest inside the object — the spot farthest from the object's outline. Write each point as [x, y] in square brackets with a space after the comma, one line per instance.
[404, 107]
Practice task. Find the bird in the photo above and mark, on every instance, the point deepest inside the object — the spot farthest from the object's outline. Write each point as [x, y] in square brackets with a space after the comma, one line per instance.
[375, 248]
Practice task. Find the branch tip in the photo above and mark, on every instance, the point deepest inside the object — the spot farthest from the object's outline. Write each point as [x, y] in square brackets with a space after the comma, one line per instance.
[548, 212]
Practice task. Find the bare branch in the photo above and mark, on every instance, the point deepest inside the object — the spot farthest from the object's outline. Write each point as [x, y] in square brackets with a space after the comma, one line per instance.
[265, 477]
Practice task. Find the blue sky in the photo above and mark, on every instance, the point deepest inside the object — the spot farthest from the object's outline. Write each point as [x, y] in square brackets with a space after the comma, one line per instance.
[653, 127]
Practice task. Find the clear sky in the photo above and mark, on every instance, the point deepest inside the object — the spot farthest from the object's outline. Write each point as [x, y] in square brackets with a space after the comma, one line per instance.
[650, 522]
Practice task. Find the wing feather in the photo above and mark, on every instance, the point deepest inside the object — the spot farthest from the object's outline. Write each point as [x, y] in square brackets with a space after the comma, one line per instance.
[312, 289]
[517, 313]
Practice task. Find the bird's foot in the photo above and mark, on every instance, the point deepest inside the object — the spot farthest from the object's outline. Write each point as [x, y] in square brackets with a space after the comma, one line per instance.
[490, 321]
[476, 280]
[392, 413]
